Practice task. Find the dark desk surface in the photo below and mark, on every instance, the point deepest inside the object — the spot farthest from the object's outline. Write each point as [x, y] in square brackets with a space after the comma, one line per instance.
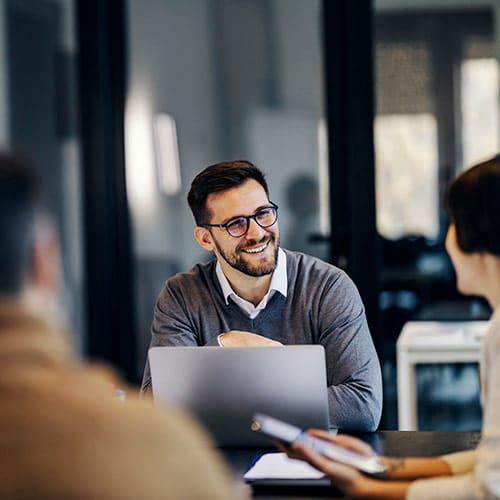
[391, 443]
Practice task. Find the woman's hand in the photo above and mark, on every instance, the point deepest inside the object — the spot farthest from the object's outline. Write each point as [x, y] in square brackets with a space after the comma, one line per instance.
[347, 478]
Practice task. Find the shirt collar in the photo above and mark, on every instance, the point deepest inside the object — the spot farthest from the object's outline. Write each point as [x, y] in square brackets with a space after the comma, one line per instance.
[279, 281]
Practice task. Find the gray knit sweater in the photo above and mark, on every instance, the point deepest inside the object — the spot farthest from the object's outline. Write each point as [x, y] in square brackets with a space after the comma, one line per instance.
[323, 307]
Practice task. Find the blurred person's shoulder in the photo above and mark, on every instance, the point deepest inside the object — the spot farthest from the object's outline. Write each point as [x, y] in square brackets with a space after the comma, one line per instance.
[66, 433]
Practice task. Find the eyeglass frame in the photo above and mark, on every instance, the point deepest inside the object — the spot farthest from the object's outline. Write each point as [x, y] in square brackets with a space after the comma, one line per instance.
[247, 217]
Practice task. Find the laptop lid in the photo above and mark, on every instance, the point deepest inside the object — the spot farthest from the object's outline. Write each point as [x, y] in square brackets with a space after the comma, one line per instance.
[225, 386]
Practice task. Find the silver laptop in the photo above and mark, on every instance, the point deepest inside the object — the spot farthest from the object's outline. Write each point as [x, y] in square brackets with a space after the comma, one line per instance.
[225, 386]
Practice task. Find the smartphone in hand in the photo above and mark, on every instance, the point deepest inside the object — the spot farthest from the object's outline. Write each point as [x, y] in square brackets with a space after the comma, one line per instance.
[290, 434]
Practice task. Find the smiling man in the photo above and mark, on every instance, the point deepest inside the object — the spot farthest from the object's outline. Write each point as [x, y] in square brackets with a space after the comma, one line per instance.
[256, 293]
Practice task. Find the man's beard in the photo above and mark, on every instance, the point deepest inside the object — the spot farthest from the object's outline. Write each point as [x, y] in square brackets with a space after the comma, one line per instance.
[236, 261]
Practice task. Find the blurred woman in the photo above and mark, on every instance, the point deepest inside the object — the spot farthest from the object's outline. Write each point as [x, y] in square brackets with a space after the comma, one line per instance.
[473, 243]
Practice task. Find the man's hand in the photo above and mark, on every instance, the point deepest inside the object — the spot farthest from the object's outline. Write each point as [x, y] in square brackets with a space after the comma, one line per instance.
[237, 338]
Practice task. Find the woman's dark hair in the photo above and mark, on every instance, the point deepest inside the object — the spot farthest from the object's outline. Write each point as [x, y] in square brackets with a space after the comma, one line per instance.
[217, 178]
[473, 205]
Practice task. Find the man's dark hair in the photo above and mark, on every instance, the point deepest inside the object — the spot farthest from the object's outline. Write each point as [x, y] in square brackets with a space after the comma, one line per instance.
[217, 178]
[473, 205]
[19, 196]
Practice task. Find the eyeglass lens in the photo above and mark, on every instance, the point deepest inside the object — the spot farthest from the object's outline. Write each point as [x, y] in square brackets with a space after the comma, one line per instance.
[265, 217]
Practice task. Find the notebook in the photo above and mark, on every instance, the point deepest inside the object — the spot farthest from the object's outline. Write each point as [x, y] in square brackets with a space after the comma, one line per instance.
[225, 386]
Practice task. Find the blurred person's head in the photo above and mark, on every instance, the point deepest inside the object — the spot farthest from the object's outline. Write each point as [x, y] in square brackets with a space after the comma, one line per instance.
[473, 240]
[29, 252]
[302, 196]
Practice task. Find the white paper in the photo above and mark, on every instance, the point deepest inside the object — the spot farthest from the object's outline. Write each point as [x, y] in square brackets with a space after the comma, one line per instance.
[279, 466]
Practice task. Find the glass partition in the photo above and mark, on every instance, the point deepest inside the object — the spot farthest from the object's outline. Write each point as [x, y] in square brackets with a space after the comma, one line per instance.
[437, 113]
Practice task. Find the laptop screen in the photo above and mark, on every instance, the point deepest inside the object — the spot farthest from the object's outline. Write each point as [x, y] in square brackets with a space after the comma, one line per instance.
[224, 387]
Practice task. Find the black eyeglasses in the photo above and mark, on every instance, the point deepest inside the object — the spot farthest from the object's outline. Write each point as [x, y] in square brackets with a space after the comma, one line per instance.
[238, 227]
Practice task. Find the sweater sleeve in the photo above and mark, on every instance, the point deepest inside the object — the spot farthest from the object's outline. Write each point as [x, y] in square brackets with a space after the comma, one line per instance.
[354, 376]
[172, 326]
[488, 463]
[460, 487]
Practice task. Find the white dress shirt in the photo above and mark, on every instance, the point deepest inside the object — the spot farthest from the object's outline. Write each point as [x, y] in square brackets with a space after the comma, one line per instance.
[279, 283]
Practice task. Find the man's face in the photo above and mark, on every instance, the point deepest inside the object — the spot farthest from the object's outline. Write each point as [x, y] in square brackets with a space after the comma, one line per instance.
[255, 253]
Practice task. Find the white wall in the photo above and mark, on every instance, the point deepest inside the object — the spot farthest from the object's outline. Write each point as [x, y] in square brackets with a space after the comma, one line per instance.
[171, 71]
[298, 39]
